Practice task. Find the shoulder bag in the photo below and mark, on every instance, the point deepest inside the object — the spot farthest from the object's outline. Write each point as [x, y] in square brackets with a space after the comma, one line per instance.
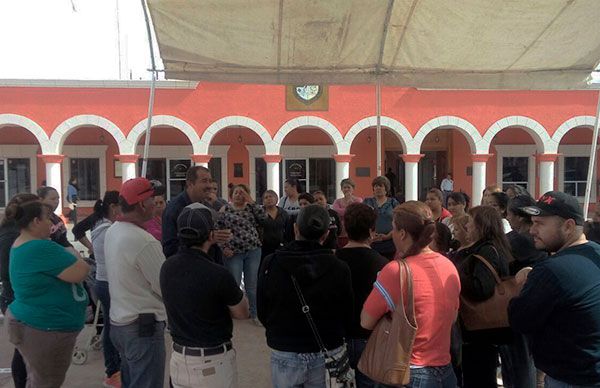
[493, 312]
[386, 358]
[338, 373]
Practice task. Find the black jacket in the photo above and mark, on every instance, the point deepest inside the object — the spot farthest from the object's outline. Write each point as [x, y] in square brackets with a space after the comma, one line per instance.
[326, 284]
[8, 235]
[274, 230]
[478, 284]
[477, 281]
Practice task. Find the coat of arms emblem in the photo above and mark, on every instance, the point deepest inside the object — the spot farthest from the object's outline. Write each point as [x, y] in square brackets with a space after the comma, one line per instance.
[307, 93]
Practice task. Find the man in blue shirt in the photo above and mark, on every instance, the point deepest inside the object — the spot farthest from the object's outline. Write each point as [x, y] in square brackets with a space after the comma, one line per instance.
[198, 188]
[559, 306]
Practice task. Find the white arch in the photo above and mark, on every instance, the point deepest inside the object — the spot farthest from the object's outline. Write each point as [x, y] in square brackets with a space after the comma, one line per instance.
[240, 121]
[138, 130]
[543, 141]
[30, 125]
[393, 125]
[466, 128]
[342, 146]
[66, 127]
[578, 121]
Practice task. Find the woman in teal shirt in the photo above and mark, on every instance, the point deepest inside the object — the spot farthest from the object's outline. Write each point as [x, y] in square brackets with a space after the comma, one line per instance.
[49, 306]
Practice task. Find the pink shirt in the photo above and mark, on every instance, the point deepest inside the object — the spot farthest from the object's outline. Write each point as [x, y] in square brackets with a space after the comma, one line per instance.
[339, 205]
[154, 227]
[436, 290]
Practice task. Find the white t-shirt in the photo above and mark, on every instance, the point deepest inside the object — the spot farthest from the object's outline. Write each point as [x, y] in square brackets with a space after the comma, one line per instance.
[447, 185]
[133, 261]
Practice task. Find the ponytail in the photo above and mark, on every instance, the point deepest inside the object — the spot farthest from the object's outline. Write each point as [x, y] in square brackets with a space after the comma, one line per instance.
[102, 205]
[415, 218]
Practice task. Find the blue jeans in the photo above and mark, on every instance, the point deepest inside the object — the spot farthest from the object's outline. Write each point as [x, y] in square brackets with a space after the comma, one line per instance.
[549, 382]
[112, 359]
[246, 263]
[295, 370]
[356, 347]
[142, 358]
[432, 377]
[518, 370]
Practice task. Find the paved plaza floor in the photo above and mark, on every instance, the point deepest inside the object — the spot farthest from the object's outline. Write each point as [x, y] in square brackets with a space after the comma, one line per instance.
[248, 339]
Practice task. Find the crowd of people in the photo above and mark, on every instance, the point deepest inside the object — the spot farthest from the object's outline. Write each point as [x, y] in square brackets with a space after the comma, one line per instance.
[318, 277]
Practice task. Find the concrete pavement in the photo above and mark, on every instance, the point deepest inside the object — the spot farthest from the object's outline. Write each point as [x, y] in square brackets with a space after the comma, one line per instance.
[248, 339]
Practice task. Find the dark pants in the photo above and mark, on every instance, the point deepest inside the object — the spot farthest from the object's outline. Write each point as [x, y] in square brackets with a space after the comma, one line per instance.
[518, 370]
[18, 369]
[17, 365]
[142, 358]
[356, 347]
[112, 360]
[479, 363]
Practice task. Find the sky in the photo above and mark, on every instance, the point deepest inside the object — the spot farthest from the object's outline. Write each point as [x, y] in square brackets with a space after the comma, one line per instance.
[76, 39]
[73, 39]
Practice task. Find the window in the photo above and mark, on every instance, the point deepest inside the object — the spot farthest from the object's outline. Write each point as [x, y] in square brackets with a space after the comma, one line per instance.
[15, 177]
[214, 165]
[515, 172]
[177, 173]
[87, 173]
[322, 177]
[575, 175]
[260, 167]
[156, 169]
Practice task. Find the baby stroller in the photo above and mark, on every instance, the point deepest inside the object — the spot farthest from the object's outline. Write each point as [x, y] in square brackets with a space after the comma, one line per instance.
[91, 335]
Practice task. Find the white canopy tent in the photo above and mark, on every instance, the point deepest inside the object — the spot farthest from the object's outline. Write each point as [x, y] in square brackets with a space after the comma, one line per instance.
[436, 44]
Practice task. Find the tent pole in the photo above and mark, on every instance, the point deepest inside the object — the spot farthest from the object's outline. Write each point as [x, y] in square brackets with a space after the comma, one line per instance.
[152, 89]
[378, 109]
[592, 166]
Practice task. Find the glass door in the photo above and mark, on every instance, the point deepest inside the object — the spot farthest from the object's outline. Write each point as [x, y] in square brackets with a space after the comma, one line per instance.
[296, 169]
[176, 176]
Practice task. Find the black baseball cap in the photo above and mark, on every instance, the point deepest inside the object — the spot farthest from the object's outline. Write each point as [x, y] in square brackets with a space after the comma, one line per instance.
[556, 203]
[194, 224]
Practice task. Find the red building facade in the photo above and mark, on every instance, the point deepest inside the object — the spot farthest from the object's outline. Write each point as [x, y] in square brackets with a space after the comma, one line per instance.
[52, 130]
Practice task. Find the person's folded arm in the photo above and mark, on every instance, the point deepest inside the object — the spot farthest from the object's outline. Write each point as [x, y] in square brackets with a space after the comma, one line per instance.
[76, 273]
[531, 309]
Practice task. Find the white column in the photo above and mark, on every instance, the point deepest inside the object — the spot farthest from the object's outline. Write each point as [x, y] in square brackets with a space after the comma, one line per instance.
[546, 172]
[342, 171]
[411, 176]
[128, 166]
[128, 170]
[54, 176]
[479, 179]
[273, 162]
[201, 160]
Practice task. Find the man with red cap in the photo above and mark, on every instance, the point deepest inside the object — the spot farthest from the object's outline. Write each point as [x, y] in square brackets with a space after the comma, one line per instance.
[137, 313]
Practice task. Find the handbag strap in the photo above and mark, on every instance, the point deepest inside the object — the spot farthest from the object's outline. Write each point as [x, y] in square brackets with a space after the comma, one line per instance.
[406, 278]
[490, 267]
[306, 311]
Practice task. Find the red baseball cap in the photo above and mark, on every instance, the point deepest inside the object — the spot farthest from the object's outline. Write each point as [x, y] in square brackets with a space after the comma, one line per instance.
[137, 190]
